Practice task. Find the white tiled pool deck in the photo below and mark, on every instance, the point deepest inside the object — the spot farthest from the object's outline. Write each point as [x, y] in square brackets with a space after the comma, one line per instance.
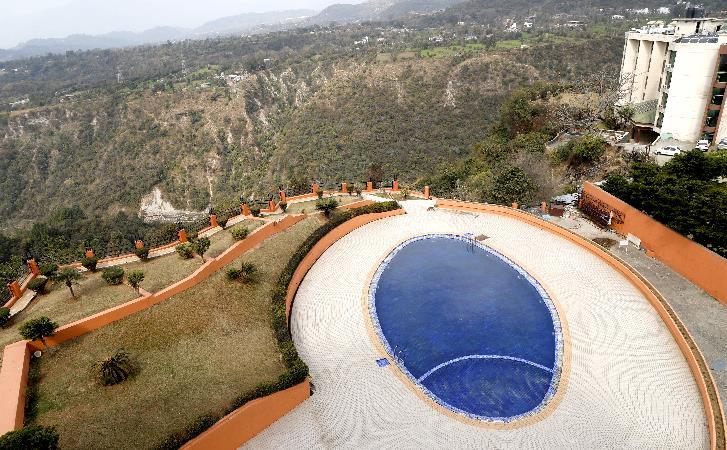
[629, 385]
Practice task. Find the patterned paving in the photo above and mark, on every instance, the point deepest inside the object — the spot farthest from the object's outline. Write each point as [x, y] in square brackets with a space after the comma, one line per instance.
[628, 386]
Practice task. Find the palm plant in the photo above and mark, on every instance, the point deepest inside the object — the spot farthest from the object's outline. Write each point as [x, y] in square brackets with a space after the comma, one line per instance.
[114, 369]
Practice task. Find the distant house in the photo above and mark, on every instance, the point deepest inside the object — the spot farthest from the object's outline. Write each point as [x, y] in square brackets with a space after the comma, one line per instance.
[617, 17]
[663, 10]
[574, 23]
[527, 25]
[512, 28]
[436, 39]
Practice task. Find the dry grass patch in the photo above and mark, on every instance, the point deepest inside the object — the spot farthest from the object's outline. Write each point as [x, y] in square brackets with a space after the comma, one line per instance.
[168, 269]
[310, 206]
[196, 352]
[93, 295]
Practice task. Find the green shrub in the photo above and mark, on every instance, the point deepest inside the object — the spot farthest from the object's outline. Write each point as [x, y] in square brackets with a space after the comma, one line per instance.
[583, 150]
[326, 206]
[255, 211]
[319, 193]
[48, 270]
[38, 285]
[142, 253]
[31, 437]
[114, 369]
[4, 315]
[239, 233]
[113, 275]
[247, 271]
[185, 250]
[90, 263]
[135, 277]
[38, 329]
[233, 273]
[283, 206]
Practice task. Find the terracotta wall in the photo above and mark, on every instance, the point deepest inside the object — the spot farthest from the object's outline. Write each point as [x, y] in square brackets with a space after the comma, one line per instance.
[244, 423]
[700, 370]
[700, 265]
[13, 381]
[324, 244]
[23, 287]
[111, 315]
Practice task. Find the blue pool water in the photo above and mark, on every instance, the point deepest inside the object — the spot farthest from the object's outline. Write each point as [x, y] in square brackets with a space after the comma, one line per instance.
[470, 328]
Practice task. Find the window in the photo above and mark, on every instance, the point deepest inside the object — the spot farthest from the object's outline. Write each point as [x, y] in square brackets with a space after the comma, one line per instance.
[711, 120]
[717, 96]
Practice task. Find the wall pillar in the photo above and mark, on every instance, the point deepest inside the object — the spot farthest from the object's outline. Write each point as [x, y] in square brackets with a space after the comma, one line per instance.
[33, 266]
[426, 192]
[344, 188]
[89, 253]
[396, 186]
[182, 235]
[283, 197]
[213, 221]
[369, 186]
[245, 209]
[544, 207]
[271, 206]
[515, 205]
[315, 187]
[139, 244]
[14, 288]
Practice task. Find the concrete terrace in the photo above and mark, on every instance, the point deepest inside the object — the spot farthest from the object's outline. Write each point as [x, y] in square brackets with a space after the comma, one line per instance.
[628, 384]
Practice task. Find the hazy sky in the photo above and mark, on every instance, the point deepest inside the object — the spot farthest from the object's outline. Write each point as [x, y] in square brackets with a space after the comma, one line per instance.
[21, 20]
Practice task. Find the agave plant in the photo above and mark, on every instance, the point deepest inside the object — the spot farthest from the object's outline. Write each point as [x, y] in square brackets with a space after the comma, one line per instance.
[113, 370]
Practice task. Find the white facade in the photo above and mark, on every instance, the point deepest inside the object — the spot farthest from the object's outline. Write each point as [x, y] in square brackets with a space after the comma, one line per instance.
[675, 76]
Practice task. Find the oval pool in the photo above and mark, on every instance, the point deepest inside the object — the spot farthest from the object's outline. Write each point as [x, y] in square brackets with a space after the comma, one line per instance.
[467, 326]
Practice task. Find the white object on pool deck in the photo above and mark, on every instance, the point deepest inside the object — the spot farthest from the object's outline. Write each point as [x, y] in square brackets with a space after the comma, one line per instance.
[628, 385]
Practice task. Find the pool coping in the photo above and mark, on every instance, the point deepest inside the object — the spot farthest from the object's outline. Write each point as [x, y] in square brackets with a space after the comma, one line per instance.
[539, 413]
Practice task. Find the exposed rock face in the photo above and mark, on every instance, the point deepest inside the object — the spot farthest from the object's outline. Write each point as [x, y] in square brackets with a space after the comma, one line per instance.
[154, 208]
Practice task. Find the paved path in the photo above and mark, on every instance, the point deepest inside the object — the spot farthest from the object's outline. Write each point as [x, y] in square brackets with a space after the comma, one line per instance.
[629, 385]
[22, 302]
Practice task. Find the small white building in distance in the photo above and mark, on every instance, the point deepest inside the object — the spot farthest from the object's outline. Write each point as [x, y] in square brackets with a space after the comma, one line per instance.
[675, 77]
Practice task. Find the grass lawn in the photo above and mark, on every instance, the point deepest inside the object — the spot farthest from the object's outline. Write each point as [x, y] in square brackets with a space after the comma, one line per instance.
[310, 206]
[93, 295]
[196, 352]
[398, 196]
[168, 269]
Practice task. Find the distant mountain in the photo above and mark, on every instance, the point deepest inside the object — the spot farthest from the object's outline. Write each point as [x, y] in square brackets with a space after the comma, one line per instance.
[227, 25]
[379, 10]
[242, 22]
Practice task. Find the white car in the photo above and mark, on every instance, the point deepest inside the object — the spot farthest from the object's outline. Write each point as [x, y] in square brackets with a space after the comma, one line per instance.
[702, 145]
[722, 145]
[669, 150]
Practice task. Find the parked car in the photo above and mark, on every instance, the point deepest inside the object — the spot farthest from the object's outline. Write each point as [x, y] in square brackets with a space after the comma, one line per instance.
[722, 145]
[702, 145]
[669, 150]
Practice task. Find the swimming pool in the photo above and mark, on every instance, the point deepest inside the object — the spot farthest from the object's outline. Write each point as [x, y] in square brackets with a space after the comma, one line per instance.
[468, 327]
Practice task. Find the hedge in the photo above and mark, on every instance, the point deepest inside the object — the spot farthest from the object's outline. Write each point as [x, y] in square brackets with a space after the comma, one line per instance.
[297, 370]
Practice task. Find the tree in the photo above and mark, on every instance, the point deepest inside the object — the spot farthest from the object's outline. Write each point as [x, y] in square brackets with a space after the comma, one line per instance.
[513, 185]
[114, 369]
[247, 271]
[200, 246]
[38, 329]
[69, 276]
[135, 277]
[31, 437]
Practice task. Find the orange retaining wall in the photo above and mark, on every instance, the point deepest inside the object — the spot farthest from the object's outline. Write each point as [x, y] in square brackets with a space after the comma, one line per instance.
[702, 375]
[111, 315]
[700, 265]
[247, 421]
[23, 287]
[13, 382]
[324, 244]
